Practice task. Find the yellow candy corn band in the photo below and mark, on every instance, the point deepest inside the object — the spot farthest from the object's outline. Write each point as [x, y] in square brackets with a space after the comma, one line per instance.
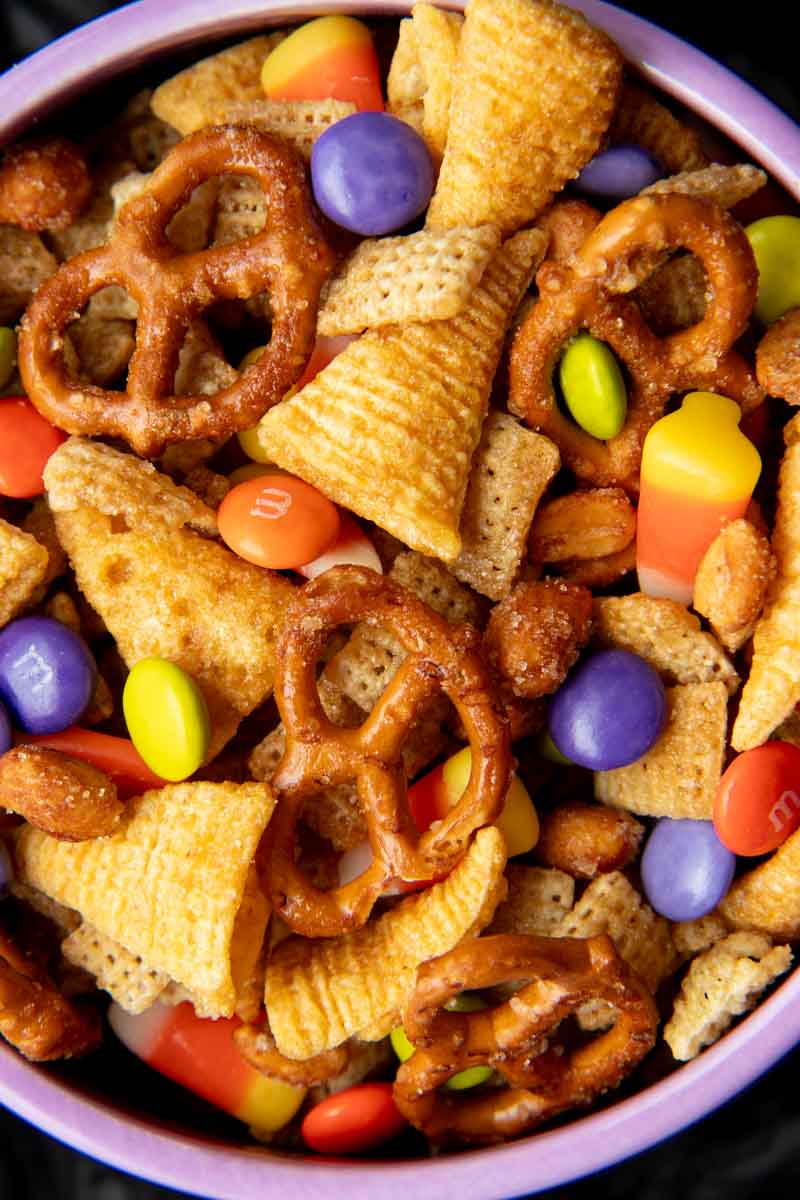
[307, 44]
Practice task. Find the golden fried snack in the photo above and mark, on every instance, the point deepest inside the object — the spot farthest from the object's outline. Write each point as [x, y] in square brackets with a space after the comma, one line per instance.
[726, 186]
[23, 568]
[518, 1038]
[390, 434]
[699, 934]
[732, 580]
[319, 993]
[535, 635]
[778, 358]
[665, 634]
[587, 523]
[538, 900]
[168, 885]
[773, 685]
[69, 799]
[420, 81]
[643, 119]
[318, 753]
[767, 898]
[586, 840]
[43, 184]
[679, 775]
[536, 83]
[722, 983]
[35, 1017]
[584, 295]
[289, 259]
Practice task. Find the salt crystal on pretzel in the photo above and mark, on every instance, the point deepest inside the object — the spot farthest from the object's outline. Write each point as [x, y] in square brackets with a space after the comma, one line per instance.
[778, 358]
[129, 533]
[767, 898]
[773, 685]
[422, 70]
[425, 276]
[732, 580]
[678, 777]
[125, 977]
[319, 993]
[665, 634]
[538, 900]
[299, 121]
[389, 428]
[612, 905]
[536, 83]
[23, 565]
[642, 119]
[722, 983]
[25, 263]
[511, 469]
[196, 96]
[168, 886]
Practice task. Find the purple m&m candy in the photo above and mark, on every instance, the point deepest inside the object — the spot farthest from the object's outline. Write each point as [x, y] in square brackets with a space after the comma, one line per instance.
[619, 172]
[5, 729]
[371, 173]
[609, 711]
[46, 674]
[686, 870]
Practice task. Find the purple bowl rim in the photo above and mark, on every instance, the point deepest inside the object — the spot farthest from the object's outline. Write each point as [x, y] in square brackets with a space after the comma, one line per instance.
[200, 1166]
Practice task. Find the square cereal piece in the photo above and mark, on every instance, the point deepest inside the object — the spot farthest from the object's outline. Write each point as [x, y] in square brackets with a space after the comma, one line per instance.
[421, 277]
[197, 96]
[510, 471]
[298, 121]
[725, 186]
[612, 905]
[722, 983]
[25, 263]
[679, 775]
[539, 898]
[125, 977]
[665, 634]
[23, 566]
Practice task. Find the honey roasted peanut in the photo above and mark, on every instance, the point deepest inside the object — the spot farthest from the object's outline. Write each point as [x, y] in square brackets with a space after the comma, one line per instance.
[62, 796]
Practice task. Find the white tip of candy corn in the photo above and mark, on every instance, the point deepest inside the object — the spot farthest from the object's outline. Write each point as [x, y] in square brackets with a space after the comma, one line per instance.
[662, 585]
[352, 546]
[140, 1032]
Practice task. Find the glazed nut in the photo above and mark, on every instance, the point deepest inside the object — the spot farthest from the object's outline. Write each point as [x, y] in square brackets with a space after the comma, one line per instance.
[732, 580]
[587, 840]
[591, 523]
[62, 796]
[535, 635]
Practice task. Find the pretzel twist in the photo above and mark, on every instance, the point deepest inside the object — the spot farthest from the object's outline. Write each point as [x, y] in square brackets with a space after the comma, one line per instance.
[319, 754]
[584, 293]
[517, 1038]
[289, 258]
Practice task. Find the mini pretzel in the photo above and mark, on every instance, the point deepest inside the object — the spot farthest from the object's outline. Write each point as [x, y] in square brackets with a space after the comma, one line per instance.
[319, 754]
[583, 294]
[289, 259]
[516, 1038]
[43, 185]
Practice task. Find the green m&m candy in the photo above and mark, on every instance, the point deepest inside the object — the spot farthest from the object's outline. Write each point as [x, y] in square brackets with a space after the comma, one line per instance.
[468, 1078]
[776, 245]
[593, 387]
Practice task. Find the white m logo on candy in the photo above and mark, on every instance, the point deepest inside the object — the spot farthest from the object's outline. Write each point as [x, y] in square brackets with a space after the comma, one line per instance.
[781, 811]
[271, 504]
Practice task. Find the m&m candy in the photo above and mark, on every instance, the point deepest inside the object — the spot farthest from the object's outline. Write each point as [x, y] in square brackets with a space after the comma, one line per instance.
[200, 1054]
[757, 804]
[330, 58]
[116, 756]
[167, 718]
[618, 172]
[470, 1077]
[608, 711]
[26, 442]
[698, 472]
[277, 521]
[353, 1120]
[47, 674]
[593, 387]
[776, 246]
[371, 173]
[686, 870]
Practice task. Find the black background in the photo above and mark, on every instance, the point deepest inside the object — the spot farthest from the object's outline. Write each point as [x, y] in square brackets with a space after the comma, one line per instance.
[751, 1147]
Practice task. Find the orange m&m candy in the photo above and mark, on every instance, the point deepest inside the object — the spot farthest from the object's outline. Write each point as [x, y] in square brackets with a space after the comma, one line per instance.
[277, 521]
[757, 804]
[26, 442]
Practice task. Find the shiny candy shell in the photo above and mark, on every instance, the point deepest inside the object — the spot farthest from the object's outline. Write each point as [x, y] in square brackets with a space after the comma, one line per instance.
[26, 442]
[776, 245]
[757, 804]
[609, 711]
[167, 718]
[686, 870]
[277, 521]
[353, 1120]
[618, 172]
[593, 386]
[371, 173]
[330, 58]
[46, 674]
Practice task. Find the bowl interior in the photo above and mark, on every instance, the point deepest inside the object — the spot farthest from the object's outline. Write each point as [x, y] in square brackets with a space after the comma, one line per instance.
[162, 1132]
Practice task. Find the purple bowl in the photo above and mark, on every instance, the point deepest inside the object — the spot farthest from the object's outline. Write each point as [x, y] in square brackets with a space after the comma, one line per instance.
[209, 1166]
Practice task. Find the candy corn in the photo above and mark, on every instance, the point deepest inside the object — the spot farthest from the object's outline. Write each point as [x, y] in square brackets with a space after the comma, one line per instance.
[698, 473]
[201, 1055]
[331, 58]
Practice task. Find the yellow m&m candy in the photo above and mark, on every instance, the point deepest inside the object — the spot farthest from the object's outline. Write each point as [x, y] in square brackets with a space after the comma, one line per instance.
[167, 718]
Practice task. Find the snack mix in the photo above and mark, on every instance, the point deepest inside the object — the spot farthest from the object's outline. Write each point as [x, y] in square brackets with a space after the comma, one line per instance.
[399, 581]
